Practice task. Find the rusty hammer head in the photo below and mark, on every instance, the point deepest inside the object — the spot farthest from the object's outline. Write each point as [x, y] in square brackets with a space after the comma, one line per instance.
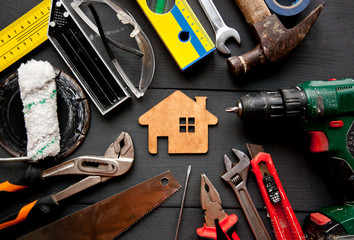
[275, 42]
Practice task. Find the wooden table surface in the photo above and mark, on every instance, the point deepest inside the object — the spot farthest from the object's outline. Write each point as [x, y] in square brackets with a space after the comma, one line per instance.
[326, 52]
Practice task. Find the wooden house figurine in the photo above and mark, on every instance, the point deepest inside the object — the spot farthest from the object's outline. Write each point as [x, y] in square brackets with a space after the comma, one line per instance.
[182, 120]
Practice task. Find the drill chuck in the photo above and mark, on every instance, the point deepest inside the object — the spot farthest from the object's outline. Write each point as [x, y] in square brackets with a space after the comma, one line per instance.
[269, 105]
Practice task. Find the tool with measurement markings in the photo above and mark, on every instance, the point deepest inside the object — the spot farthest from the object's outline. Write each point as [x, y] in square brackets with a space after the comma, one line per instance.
[24, 35]
[179, 29]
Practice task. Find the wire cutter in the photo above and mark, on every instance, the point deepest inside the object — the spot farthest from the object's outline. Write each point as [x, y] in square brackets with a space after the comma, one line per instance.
[218, 225]
[117, 160]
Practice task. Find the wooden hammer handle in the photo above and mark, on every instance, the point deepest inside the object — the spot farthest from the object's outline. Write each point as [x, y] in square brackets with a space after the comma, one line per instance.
[240, 65]
[253, 10]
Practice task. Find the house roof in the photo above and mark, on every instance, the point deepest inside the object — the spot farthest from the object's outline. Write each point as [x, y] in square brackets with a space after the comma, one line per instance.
[180, 103]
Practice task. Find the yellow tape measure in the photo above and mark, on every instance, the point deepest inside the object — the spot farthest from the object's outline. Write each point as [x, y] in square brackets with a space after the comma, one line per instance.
[24, 35]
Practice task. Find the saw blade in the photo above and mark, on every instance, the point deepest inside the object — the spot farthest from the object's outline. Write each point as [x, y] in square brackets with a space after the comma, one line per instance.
[111, 217]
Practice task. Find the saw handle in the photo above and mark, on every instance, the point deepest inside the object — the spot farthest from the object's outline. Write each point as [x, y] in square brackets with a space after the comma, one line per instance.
[240, 65]
[253, 10]
[35, 209]
[32, 175]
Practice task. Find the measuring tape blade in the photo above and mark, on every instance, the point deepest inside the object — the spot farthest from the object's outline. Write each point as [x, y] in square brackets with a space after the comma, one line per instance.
[179, 29]
[24, 35]
[294, 6]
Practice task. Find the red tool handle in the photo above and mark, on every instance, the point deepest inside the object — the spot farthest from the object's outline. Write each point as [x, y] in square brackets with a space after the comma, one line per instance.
[284, 221]
[32, 210]
[227, 226]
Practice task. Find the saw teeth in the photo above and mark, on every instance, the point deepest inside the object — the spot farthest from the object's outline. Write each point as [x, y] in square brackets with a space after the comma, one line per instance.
[152, 209]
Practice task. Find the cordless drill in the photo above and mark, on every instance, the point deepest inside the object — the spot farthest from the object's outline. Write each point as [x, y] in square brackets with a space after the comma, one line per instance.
[326, 109]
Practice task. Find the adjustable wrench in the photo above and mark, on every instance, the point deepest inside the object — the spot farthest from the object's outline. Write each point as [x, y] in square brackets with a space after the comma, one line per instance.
[222, 32]
[236, 176]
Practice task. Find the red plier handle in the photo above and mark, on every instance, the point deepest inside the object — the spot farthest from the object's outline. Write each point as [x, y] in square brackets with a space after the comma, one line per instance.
[227, 227]
[284, 221]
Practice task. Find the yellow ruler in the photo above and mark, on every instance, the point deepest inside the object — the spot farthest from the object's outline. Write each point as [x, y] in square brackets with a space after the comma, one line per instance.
[24, 35]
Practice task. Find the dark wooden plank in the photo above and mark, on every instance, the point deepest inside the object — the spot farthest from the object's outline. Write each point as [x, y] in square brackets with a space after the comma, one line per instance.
[289, 156]
[325, 53]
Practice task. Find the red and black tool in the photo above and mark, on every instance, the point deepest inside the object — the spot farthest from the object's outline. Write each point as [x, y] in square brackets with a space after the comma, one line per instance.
[218, 225]
[284, 221]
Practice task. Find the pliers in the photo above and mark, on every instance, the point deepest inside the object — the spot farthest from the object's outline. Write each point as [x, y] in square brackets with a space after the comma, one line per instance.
[117, 160]
[218, 225]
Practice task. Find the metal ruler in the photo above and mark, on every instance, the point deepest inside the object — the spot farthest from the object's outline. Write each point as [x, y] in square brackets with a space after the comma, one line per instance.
[24, 35]
[179, 29]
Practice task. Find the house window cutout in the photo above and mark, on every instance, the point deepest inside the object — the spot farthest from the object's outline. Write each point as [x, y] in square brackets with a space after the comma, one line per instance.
[191, 129]
[186, 125]
[182, 120]
[182, 129]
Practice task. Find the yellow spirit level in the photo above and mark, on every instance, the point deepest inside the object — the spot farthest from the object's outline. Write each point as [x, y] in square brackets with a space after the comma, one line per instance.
[179, 29]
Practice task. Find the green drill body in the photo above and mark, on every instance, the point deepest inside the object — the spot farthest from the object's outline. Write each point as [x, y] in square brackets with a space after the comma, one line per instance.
[332, 102]
[326, 109]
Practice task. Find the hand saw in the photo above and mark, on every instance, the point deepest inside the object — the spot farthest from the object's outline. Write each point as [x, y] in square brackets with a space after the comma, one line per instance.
[111, 217]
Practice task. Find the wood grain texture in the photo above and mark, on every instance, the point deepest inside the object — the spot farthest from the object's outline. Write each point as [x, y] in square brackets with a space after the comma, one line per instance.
[253, 10]
[326, 52]
[183, 121]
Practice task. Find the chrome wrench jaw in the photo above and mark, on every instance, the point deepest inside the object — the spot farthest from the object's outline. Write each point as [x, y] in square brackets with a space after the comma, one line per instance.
[236, 176]
[117, 160]
[236, 173]
[224, 34]
[122, 147]
[222, 31]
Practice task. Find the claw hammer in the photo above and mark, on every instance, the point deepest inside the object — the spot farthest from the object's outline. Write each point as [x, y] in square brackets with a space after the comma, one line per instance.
[275, 41]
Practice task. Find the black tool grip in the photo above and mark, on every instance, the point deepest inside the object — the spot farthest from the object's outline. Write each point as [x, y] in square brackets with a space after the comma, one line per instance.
[32, 175]
[33, 210]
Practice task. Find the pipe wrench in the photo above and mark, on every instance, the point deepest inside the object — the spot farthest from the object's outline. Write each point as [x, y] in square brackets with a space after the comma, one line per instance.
[117, 160]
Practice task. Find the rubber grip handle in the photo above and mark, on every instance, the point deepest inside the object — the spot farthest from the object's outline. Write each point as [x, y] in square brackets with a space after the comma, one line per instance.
[227, 227]
[35, 209]
[32, 175]
[240, 65]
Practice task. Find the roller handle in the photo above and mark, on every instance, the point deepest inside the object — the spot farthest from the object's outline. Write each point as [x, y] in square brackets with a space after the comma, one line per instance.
[253, 10]
[33, 210]
[240, 65]
[31, 176]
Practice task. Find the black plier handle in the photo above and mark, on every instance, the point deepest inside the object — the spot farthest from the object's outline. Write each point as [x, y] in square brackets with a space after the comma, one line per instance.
[117, 160]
